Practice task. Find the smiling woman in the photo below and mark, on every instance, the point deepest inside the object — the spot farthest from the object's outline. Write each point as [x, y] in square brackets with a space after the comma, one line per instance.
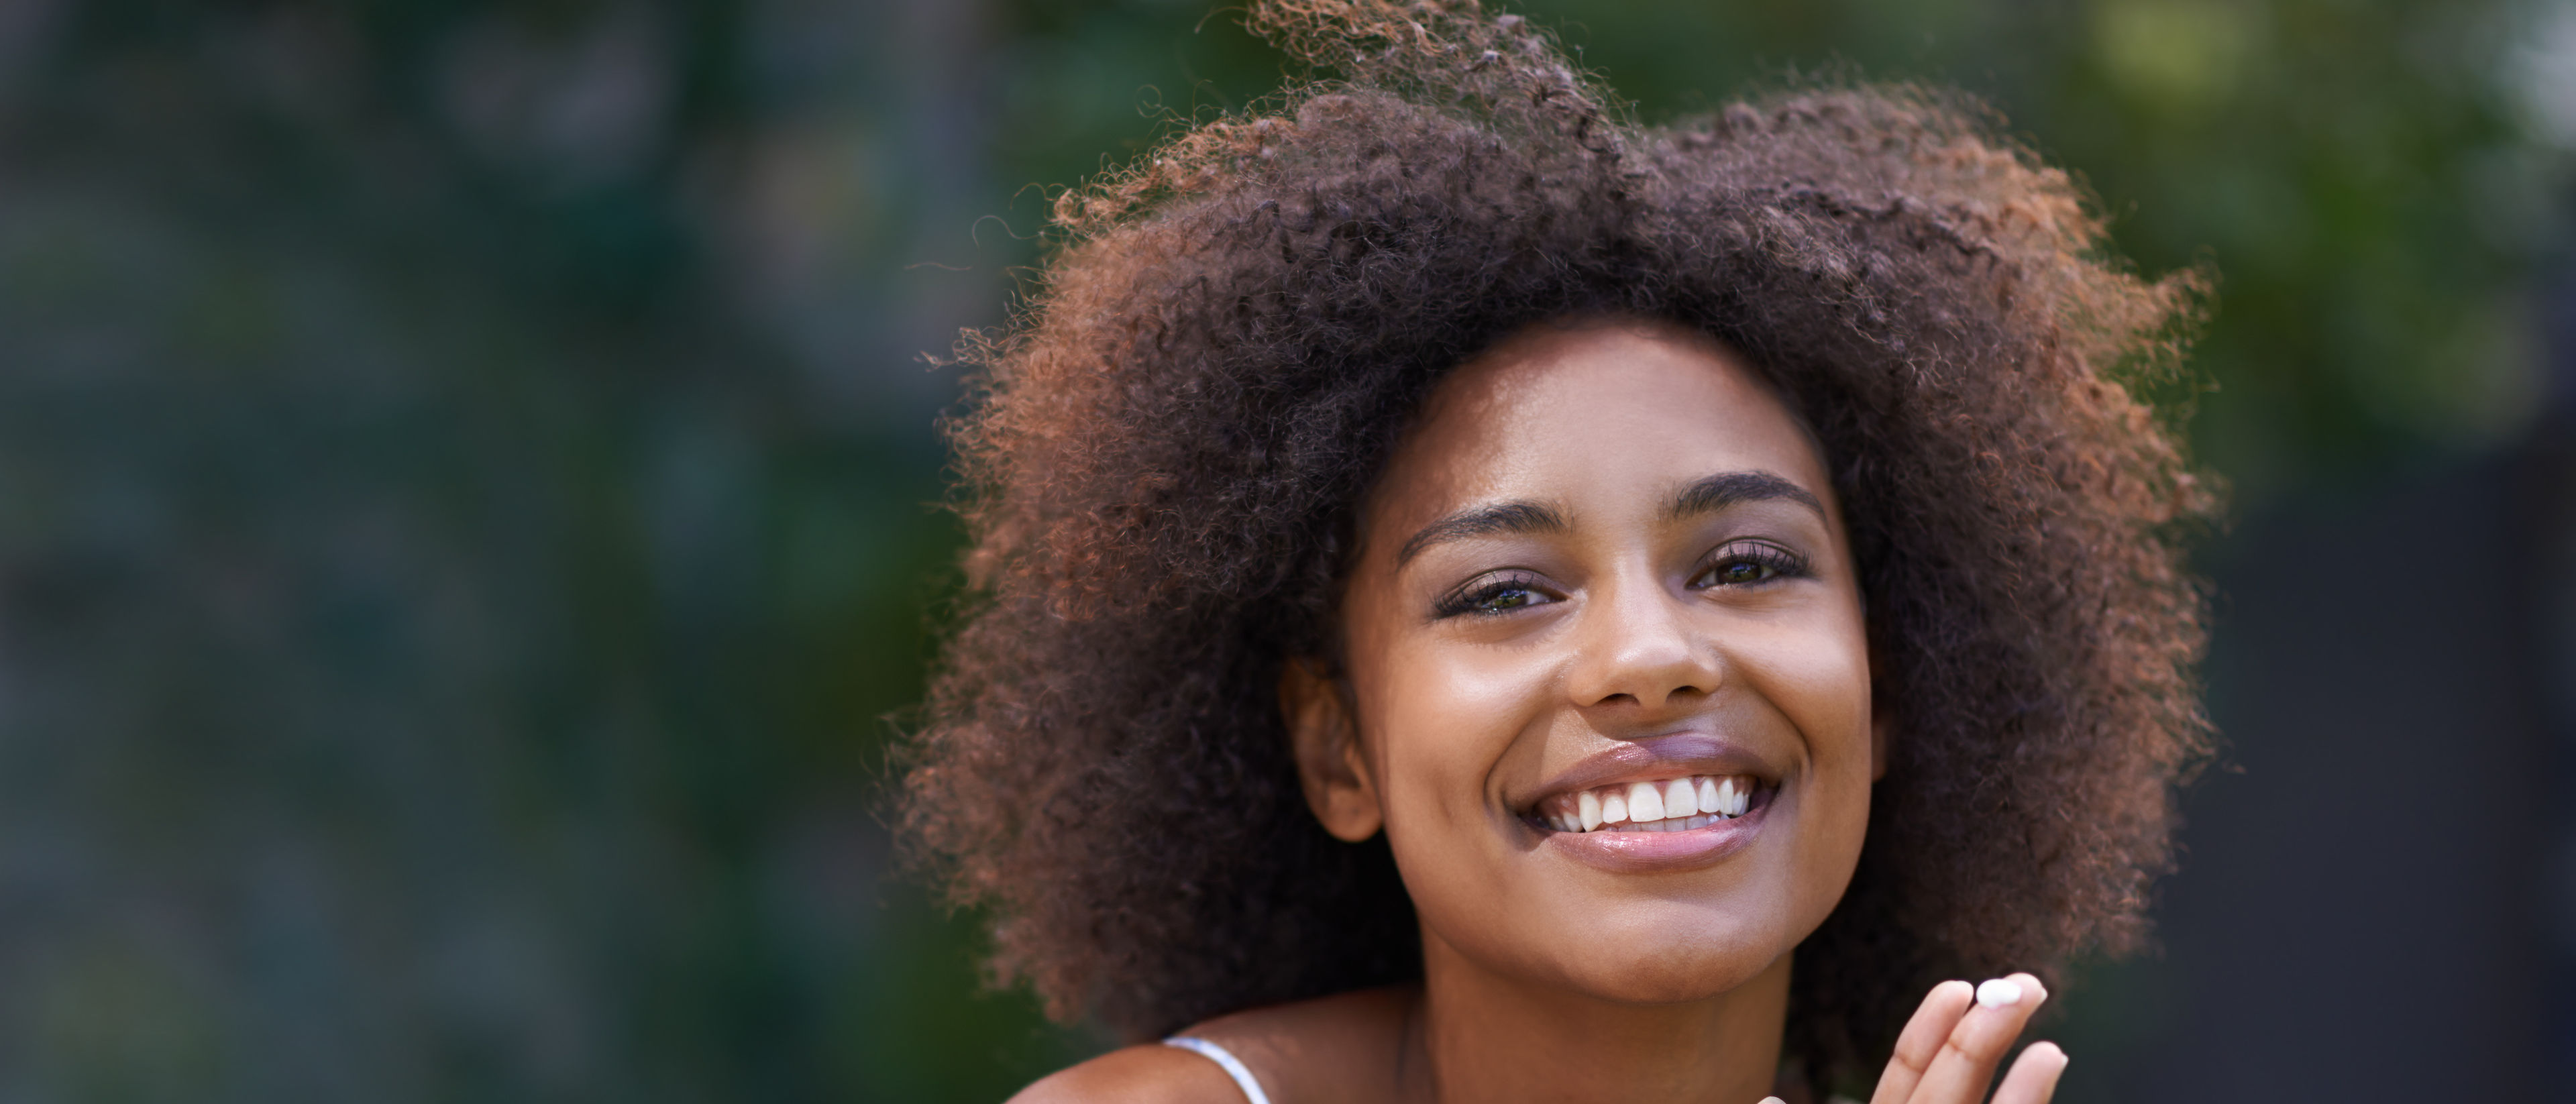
[1481, 601]
[1669, 607]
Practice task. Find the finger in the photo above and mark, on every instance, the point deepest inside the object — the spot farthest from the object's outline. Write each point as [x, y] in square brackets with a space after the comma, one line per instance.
[1967, 1061]
[2034, 1075]
[1921, 1041]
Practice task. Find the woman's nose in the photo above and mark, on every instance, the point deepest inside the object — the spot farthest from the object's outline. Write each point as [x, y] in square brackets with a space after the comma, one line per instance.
[1637, 650]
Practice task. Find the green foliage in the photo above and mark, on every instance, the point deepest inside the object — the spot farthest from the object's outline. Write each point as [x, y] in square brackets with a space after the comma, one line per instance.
[463, 470]
[2360, 174]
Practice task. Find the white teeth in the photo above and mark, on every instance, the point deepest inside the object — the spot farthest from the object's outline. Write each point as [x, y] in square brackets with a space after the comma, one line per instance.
[1645, 802]
[1679, 801]
[1674, 805]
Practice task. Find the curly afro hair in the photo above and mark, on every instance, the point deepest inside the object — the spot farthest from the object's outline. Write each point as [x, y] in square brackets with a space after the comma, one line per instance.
[1161, 469]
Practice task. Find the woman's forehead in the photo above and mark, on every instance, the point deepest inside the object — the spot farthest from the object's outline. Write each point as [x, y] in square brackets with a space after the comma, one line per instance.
[1595, 416]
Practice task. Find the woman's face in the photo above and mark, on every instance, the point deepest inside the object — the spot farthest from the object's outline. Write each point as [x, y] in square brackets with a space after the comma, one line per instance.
[1604, 578]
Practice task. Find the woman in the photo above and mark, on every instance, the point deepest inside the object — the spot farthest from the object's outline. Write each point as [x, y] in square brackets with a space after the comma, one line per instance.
[1482, 601]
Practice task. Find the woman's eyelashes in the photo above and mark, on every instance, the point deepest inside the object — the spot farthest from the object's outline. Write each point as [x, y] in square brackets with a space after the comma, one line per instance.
[1747, 563]
[1495, 594]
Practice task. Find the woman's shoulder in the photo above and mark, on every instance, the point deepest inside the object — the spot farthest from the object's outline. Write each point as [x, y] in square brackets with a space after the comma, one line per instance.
[1337, 1048]
[1148, 1074]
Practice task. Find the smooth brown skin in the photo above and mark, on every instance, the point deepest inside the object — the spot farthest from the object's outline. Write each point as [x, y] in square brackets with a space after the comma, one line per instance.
[1546, 978]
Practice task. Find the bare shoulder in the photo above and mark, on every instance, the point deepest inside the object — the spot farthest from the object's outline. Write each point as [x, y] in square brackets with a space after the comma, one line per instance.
[1149, 1074]
[1342, 1048]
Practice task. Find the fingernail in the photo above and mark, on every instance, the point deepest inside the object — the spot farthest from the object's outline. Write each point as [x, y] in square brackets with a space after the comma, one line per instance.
[1999, 992]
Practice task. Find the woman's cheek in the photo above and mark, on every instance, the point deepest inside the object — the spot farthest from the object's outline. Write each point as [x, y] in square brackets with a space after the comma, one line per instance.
[1817, 675]
[1446, 726]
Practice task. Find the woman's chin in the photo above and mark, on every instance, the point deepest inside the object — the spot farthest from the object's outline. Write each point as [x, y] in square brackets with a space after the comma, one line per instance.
[1668, 953]
[1665, 981]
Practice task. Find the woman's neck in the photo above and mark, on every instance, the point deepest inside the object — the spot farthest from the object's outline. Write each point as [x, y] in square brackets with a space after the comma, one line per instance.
[1477, 1037]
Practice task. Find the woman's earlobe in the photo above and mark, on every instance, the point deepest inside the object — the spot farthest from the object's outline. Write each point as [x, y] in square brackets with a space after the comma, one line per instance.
[1324, 736]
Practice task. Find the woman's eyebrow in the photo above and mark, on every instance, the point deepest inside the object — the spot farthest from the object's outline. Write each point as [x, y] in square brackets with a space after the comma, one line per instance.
[1478, 521]
[1717, 492]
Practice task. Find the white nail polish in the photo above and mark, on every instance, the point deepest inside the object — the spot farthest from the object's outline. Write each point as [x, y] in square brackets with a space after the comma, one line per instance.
[1999, 992]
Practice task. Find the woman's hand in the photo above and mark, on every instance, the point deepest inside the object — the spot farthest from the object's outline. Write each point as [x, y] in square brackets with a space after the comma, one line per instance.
[1950, 1048]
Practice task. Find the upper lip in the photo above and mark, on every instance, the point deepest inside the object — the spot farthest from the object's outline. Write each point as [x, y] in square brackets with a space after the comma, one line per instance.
[1655, 758]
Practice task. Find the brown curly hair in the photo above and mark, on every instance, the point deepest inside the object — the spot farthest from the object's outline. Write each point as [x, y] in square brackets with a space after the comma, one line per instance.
[1162, 467]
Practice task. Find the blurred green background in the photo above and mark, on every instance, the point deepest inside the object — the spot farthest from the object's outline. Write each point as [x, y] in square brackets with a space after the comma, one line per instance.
[466, 468]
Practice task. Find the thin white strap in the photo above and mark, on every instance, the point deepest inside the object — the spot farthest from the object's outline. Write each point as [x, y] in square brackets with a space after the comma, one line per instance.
[1233, 1066]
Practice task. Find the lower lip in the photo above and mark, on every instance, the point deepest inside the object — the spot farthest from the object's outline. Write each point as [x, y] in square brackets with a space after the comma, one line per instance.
[1659, 852]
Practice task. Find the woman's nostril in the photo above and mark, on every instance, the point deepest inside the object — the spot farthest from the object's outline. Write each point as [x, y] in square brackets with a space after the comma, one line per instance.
[1678, 696]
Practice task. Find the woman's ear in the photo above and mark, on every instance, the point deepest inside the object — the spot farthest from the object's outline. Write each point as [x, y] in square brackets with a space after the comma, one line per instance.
[1322, 733]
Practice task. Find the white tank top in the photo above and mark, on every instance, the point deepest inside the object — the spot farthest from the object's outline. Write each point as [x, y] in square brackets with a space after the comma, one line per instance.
[1233, 1066]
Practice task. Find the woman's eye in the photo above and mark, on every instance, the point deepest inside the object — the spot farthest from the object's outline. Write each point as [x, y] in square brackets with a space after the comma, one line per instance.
[1740, 571]
[1499, 596]
[1747, 565]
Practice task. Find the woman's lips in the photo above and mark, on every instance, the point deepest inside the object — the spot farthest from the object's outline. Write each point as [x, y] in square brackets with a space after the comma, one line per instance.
[1646, 852]
[1661, 802]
